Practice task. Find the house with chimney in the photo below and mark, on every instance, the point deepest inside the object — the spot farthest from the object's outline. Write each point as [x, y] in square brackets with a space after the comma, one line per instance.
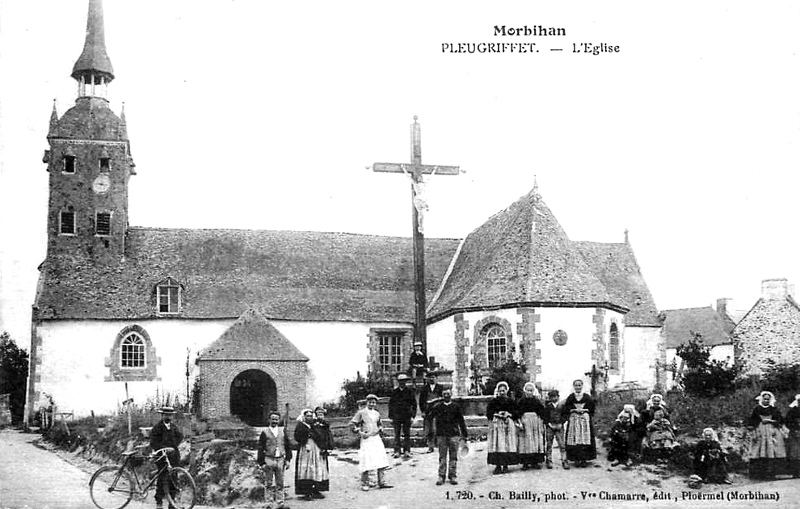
[714, 326]
[769, 333]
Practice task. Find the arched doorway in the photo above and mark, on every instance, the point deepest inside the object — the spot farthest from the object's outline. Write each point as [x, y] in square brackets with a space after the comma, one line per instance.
[253, 395]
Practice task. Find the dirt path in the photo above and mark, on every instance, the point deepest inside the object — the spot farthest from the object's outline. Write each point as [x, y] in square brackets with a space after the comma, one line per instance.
[34, 478]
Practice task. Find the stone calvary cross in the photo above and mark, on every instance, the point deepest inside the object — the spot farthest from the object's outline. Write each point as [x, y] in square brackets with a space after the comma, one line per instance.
[415, 170]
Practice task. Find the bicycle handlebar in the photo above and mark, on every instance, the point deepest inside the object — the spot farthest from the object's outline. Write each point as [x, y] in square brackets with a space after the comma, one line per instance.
[164, 451]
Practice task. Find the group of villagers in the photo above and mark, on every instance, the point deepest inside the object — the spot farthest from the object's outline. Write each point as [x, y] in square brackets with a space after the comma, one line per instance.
[522, 431]
[311, 474]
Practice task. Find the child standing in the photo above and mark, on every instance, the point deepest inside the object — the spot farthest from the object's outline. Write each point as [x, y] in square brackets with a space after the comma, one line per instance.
[554, 429]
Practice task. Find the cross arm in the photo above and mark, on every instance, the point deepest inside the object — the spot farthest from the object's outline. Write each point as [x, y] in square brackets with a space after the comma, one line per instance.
[410, 168]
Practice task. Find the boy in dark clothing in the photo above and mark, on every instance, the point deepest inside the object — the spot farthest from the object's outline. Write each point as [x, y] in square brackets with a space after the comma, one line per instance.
[166, 434]
[417, 363]
[554, 429]
[431, 392]
[402, 408]
[450, 429]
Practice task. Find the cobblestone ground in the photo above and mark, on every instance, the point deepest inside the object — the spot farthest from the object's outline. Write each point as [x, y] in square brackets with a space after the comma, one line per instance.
[38, 479]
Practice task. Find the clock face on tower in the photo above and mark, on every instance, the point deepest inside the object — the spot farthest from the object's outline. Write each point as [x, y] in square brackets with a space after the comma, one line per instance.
[101, 184]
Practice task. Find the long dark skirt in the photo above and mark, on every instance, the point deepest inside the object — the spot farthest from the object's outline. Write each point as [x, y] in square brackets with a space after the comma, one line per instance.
[580, 438]
[311, 470]
[502, 443]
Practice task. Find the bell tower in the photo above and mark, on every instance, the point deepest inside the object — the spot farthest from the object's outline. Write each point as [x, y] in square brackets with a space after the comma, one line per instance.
[89, 161]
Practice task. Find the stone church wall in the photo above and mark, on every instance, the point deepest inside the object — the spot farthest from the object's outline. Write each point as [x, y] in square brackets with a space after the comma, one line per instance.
[75, 361]
[532, 330]
[76, 357]
[337, 350]
[643, 348]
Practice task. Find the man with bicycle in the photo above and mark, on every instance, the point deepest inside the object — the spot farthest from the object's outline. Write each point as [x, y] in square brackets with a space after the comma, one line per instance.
[166, 434]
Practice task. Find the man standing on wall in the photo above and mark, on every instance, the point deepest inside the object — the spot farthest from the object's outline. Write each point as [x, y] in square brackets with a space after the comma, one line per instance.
[166, 434]
[402, 408]
[417, 363]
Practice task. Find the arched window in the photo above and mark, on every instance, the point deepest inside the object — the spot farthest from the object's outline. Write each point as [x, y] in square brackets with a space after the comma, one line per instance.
[613, 347]
[133, 356]
[132, 352]
[496, 344]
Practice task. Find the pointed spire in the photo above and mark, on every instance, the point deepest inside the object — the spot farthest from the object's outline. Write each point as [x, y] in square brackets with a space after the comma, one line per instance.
[626, 236]
[535, 187]
[53, 119]
[123, 124]
[94, 59]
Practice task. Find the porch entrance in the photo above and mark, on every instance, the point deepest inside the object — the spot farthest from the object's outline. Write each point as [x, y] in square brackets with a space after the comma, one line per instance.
[253, 396]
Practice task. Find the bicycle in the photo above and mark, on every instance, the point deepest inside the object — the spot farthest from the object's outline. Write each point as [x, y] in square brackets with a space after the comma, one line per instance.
[113, 487]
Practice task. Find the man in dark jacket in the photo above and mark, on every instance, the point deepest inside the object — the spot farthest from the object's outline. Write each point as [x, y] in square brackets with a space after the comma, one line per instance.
[431, 393]
[402, 408]
[450, 430]
[166, 434]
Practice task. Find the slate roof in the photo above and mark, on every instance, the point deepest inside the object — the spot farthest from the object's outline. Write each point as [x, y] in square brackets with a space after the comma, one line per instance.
[94, 58]
[522, 255]
[519, 256]
[252, 337]
[680, 323]
[286, 275]
[616, 267]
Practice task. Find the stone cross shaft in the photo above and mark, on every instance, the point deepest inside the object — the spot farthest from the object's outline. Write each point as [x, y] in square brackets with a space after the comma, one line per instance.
[415, 170]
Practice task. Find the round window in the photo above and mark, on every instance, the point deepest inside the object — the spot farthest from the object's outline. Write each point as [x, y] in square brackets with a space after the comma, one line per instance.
[560, 337]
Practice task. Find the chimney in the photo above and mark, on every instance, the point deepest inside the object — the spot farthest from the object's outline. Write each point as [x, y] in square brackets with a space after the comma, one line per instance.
[775, 289]
[723, 305]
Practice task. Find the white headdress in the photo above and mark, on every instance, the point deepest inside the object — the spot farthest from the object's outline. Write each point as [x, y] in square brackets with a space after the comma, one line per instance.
[760, 398]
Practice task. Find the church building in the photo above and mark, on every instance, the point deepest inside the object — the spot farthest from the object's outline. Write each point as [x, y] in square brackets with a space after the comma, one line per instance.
[259, 319]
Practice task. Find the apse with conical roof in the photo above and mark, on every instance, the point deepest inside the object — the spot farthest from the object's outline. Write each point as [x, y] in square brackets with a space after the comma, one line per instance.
[521, 255]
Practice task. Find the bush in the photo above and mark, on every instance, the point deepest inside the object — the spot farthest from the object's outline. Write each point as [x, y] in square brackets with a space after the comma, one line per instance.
[705, 377]
[13, 375]
[513, 373]
[357, 389]
[782, 377]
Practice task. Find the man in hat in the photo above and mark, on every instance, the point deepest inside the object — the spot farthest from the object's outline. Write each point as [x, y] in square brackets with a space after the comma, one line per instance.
[166, 434]
[429, 395]
[402, 408]
[417, 363]
[450, 429]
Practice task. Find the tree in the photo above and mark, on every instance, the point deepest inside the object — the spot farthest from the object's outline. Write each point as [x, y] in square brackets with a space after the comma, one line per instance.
[13, 375]
[705, 377]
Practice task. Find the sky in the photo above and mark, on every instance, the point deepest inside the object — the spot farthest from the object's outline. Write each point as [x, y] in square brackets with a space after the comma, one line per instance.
[256, 114]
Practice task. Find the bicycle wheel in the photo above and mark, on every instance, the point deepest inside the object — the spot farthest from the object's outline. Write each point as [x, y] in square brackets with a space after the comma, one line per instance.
[110, 488]
[183, 492]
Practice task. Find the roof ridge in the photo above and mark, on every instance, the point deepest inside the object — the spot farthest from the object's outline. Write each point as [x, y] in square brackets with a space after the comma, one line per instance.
[353, 234]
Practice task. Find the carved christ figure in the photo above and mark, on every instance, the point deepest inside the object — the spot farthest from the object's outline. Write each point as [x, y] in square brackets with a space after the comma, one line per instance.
[420, 200]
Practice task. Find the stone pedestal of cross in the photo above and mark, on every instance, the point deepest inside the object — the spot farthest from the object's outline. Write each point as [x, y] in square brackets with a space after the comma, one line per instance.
[415, 170]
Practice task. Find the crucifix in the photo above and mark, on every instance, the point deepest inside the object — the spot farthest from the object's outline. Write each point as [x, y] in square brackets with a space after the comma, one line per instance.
[415, 171]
